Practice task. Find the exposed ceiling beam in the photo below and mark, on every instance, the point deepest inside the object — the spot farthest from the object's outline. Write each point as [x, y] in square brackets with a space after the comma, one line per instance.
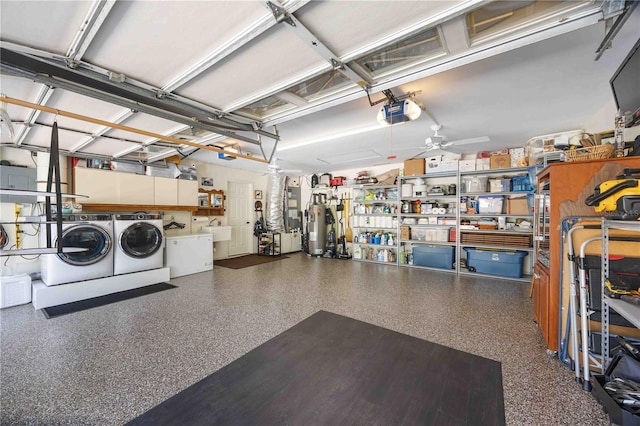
[28, 63]
[124, 115]
[145, 144]
[615, 28]
[119, 93]
[250, 33]
[90, 25]
[120, 127]
[43, 96]
[281, 15]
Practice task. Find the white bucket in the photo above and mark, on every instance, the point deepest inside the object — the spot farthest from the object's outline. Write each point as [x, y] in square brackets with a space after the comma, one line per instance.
[419, 190]
[407, 190]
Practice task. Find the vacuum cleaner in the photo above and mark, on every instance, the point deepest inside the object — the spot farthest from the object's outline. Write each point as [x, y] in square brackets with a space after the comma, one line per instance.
[618, 198]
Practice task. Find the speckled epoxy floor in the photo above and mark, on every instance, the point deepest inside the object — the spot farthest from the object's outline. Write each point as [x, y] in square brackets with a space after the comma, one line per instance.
[109, 364]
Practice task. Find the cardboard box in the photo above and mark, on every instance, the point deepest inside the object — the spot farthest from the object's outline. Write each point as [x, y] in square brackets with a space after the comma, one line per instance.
[518, 159]
[483, 164]
[517, 205]
[442, 166]
[467, 165]
[500, 161]
[414, 167]
[388, 178]
[405, 232]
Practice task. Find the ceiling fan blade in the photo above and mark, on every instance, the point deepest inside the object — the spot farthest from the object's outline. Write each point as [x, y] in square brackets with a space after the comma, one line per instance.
[462, 146]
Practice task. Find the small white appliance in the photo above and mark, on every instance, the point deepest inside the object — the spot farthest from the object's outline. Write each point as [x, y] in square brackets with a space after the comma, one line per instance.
[139, 242]
[94, 233]
[189, 254]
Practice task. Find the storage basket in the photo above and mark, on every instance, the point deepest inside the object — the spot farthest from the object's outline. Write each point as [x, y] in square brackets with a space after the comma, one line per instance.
[590, 153]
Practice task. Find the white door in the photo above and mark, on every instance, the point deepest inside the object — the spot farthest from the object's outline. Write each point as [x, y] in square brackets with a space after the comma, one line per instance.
[240, 217]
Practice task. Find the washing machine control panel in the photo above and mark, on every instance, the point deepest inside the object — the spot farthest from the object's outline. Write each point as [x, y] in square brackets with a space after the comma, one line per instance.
[85, 217]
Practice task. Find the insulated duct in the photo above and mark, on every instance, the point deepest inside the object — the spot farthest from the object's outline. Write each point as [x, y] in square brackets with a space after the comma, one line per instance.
[275, 201]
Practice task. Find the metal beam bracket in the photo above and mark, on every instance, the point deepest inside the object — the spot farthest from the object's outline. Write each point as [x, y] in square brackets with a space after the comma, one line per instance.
[280, 14]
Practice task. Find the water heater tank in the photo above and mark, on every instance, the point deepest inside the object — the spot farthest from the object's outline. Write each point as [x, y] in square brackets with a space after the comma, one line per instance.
[317, 229]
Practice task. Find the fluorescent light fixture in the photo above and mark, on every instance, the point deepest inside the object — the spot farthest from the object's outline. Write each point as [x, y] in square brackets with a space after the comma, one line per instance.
[350, 157]
[329, 137]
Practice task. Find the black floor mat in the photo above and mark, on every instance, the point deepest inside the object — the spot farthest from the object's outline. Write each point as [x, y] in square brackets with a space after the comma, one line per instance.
[333, 370]
[81, 305]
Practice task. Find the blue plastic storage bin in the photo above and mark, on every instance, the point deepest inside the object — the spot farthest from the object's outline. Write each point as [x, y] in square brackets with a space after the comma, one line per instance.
[521, 183]
[503, 263]
[434, 256]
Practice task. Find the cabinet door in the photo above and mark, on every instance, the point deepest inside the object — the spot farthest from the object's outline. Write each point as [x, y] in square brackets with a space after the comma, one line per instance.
[541, 300]
[286, 243]
[187, 192]
[165, 191]
[101, 186]
[135, 189]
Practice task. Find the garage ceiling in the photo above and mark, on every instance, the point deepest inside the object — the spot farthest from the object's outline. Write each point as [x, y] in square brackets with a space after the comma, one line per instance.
[298, 78]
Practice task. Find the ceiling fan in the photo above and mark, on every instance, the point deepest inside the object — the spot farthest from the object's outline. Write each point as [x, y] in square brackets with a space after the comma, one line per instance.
[436, 143]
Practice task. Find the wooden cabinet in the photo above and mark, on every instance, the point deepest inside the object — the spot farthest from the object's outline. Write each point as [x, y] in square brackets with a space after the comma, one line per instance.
[210, 202]
[165, 191]
[109, 190]
[541, 298]
[567, 185]
[187, 192]
[135, 189]
[101, 186]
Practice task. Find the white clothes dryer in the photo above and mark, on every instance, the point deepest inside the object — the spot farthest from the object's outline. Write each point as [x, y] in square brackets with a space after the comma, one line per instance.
[94, 233]
[139, 243]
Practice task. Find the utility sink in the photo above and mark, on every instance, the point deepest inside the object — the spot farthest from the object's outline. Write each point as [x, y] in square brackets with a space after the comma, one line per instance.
[220, 233]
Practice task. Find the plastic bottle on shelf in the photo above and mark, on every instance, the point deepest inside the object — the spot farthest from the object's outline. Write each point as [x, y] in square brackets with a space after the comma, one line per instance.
[619, 134]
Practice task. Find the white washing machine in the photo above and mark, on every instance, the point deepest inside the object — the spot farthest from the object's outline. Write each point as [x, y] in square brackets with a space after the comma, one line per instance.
[94, 233]
[139, 242]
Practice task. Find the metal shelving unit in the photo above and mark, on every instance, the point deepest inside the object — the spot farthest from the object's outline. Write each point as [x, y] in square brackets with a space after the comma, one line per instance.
[270, 244]
[504, 220]
[53, 191]
[629, 311]
[374, 223]
[440, 229]
[424, 218]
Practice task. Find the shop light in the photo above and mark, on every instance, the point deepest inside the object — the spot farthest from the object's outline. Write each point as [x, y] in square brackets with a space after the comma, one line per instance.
[329, 137]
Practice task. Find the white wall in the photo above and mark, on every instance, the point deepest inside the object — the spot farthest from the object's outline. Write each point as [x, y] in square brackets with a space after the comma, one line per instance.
[18, 264]
[603, 120]
[221, 177]
[17, 157]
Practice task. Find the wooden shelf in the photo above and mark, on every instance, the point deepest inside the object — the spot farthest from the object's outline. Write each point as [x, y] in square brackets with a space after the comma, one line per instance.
[37, 251]
[211, 202]
[9, 191]
[135, 207]
[211, 211]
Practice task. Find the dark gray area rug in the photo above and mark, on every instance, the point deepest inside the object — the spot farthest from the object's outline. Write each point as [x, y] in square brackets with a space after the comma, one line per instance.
[330, 369]
[94, 302]
[246, 261]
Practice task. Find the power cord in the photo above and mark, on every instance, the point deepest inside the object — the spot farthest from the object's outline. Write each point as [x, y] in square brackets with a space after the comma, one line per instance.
[4, 237]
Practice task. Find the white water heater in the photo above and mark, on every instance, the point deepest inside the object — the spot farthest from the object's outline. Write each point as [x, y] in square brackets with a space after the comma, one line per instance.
[317, 227]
